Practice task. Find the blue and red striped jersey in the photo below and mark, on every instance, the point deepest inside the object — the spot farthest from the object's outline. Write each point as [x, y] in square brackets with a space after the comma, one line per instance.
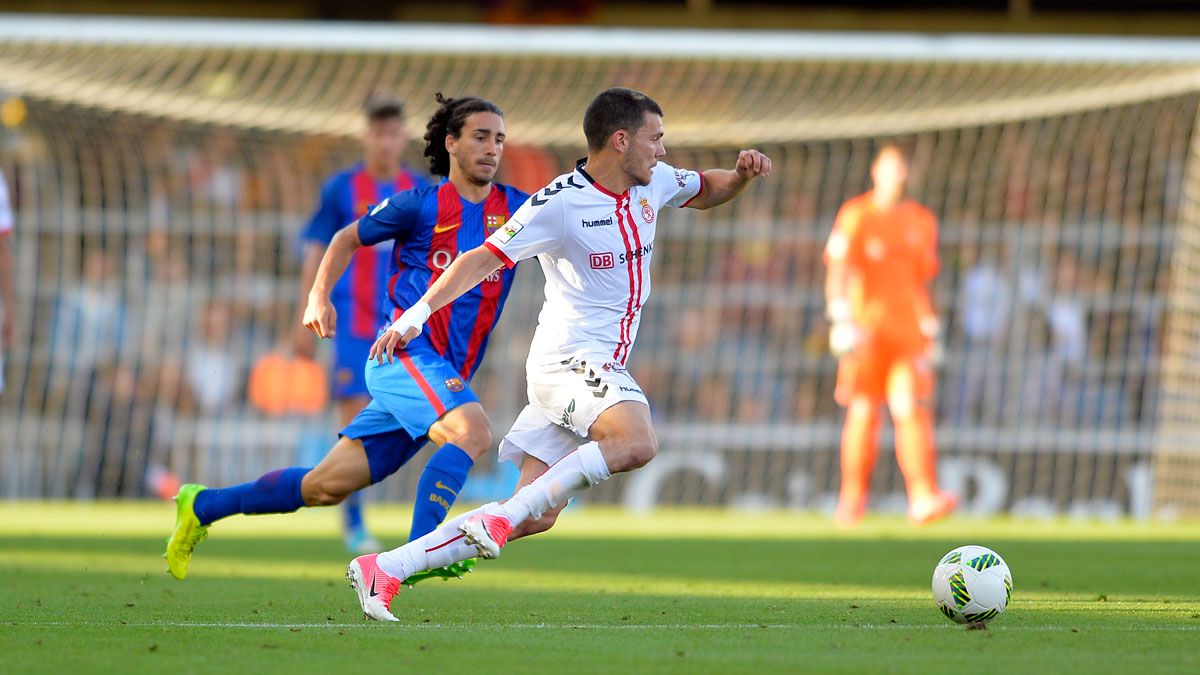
[345, 197]
[431, 227]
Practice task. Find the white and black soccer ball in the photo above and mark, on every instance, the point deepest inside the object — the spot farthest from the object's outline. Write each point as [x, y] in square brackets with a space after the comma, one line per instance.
[972, 584]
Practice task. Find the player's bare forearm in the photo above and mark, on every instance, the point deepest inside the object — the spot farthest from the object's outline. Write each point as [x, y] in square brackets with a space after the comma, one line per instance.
[319, 316]
[302, 343]
[313, 254]
[462, 275]
[335, 261]
[722, 185]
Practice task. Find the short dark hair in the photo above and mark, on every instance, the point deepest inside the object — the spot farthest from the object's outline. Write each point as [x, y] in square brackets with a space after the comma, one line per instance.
[448, 120]
[615, 109]
[380, 108]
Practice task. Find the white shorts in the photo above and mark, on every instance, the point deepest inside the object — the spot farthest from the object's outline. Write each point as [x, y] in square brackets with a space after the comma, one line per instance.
[564, 401]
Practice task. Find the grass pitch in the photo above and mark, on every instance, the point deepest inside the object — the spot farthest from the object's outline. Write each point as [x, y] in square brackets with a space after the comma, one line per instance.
[83, 589]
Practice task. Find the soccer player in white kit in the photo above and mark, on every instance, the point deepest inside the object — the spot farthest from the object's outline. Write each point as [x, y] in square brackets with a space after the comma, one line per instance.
[593, 233]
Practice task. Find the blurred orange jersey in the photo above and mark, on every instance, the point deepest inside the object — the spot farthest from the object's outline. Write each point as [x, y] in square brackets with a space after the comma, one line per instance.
[891, 258]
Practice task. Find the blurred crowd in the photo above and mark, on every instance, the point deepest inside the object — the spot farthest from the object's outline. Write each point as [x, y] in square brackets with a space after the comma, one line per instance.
[160, 281]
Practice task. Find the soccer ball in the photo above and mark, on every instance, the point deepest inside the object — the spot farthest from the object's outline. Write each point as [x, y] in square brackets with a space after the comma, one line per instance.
[972, 584]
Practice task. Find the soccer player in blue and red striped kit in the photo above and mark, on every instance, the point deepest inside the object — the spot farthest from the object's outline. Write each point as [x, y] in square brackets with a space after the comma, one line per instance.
[424, 394]
[346, 197]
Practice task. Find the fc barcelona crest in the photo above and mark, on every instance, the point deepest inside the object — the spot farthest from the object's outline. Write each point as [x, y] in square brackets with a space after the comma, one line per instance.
[455, 385]
[493, 222]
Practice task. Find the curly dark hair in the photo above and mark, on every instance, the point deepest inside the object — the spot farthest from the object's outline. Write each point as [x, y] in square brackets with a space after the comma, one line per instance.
[449, 118]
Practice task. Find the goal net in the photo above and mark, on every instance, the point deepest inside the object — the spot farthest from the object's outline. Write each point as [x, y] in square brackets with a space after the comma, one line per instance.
[162, 172]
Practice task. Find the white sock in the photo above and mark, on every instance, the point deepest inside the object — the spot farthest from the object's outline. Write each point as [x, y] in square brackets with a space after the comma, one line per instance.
[572, 475]
[439, 548]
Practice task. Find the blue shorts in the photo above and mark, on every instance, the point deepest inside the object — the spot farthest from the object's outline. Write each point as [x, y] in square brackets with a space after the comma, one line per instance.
[407, 397]
[349, 362]
[386, 451]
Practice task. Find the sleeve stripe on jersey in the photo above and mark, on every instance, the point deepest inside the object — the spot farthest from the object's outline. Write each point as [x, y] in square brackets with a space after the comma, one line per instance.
[698, 192]
[500, 254]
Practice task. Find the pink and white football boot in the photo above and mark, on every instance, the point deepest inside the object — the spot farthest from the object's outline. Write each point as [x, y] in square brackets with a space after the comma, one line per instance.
[488, 533]
[375, 588]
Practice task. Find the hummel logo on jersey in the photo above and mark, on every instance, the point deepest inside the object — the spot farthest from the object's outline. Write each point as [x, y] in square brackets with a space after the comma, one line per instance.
[602, 261]
[599, 222]
[549, 191]
[438, 229]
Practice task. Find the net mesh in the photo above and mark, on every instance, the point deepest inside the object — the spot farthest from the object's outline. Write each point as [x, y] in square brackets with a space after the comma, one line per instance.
[161, 189]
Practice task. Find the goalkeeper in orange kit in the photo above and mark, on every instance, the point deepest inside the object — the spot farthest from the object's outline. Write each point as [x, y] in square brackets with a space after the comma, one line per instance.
[881, 257]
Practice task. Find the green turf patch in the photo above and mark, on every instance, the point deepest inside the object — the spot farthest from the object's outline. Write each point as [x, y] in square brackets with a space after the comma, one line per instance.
[82, 589]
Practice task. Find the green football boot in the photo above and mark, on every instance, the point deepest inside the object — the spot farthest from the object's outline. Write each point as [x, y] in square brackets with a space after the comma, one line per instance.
[188, 531]
[452, 571]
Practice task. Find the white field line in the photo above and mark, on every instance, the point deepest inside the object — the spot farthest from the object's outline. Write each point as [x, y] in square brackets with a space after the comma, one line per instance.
[592, 626]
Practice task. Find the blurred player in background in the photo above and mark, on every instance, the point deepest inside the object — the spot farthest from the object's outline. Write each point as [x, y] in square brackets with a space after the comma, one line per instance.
[593, 231]
[6, 277]
[881, 258]
[344, 199]
[424, 395]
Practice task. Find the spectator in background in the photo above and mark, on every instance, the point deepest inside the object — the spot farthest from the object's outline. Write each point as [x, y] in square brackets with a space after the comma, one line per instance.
[985, 308]
[1067, 314]
[121, 437]
[90, 319]
[213, 175]
[213, 371]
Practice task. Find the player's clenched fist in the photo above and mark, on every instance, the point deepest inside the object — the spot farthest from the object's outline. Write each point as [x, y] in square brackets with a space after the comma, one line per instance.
[320, 317]
[752, 164]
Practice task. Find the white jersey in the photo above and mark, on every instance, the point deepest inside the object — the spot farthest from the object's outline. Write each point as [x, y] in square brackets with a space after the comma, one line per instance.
[595, 249]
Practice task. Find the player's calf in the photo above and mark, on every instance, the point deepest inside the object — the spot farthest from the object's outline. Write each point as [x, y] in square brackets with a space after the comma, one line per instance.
[323, 493]
[536, 525]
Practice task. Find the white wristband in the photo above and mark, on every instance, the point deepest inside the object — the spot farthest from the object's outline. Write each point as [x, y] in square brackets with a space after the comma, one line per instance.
[413, 317]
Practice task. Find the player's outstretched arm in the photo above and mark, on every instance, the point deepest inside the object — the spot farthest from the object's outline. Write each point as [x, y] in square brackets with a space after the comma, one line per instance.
[319, 316]
[722, 185]
[462, 275]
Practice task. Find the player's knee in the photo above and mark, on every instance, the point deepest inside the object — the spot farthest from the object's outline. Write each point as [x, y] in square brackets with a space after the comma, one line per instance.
[472, 433]
[474, 439]
[634, 454]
